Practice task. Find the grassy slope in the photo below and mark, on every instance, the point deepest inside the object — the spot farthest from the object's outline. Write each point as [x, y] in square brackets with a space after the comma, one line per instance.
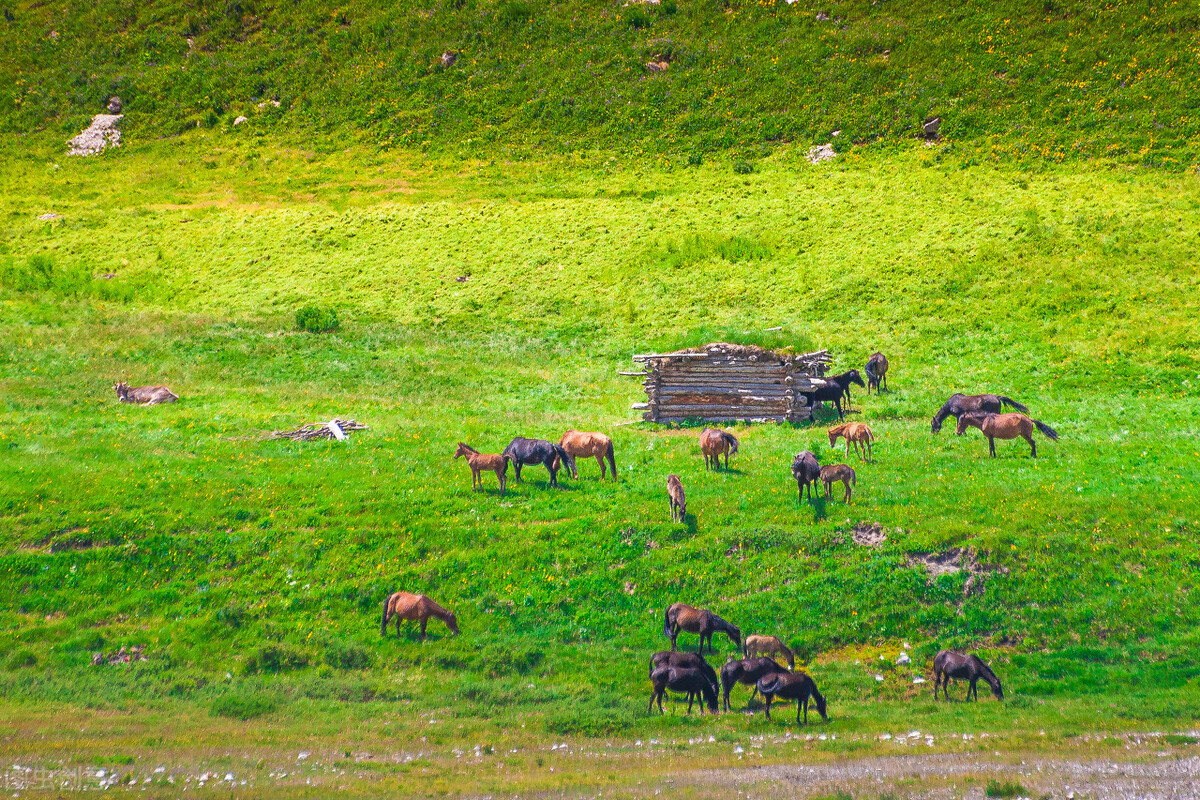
[1055, 79]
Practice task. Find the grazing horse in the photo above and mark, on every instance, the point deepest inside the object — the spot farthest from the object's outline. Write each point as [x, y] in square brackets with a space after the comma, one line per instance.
[965, 403]
[405, 605]
[1005, 426]
[478, 462]
[687, 680]
[144, 395]
[759, 645]
[792, 686]
[522, 451]
[675, 658]
[676, 498]
[682, 617]
[586, 445]
[854, 432]
[806, 471]
[714, 444]
[834, 473]
[747, 671]
[949, 664]
[835, 389]
[877, 367]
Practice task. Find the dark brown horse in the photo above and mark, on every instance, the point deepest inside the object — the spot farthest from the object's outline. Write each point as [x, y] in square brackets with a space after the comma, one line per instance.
[685, 680]
[716, 443]
[877, 368]
[747, 671]
[682, 617]
[674, 658]
[966, 403]
[1005, 426]
[807, 472]
[405, 605]
[835, 390]
[949, 664]
[796, 686]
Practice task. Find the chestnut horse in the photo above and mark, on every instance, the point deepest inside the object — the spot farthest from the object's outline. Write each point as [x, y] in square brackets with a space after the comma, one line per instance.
[806, 471]
[759, 645]
[691, 681]
[949, 664]
[405, 605]
[676, 498]
[1005, 426]
[854, 432]
[714, 444]
[877, 367]
[478, 462]
[964, 403]
[144, 395]
[682, 617]
[586, 445]
[834, 473]
[747, 671]
[796, 686]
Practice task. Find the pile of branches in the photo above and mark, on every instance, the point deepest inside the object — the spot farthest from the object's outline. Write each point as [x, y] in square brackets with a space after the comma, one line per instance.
[319, 430]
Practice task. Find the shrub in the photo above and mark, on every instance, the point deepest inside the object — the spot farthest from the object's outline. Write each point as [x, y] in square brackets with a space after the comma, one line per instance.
[243, 706]
[695, 160]
[668, 8]
[315, 319]
[275, 658]
[637, 18]
[997, 789]
[743, 167]
[496, 659]
[515, 12]
[21, 658]
[342, 655]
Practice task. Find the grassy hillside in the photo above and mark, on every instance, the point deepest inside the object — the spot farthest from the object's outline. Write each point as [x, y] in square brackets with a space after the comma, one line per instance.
[1013, 79]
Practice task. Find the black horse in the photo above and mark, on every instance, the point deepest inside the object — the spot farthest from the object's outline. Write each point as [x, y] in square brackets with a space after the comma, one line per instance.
[792, 686]
[949, 664]
[748, 671]
[521, 451]
[807, 472]
[692, 682]
[836, 388]
[675, 658]
[960, 404]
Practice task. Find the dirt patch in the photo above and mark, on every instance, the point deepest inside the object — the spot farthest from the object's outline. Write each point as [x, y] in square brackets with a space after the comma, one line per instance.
[869, 534]
[954, 561]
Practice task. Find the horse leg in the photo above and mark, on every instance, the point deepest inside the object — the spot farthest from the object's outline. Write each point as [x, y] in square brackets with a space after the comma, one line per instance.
[1032, 446]
[726, 459]
[674, 636]
[603, 469]
[768, 696]
[424, 622]
[870, 455]
[847, 485]
[805, 704]
[517, 470]
[992, 445]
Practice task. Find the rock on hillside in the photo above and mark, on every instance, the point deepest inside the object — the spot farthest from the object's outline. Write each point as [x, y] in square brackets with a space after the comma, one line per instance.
[96, 137]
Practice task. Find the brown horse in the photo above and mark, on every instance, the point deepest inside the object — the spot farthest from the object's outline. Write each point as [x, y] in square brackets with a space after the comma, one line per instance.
[796, 686]
[854, 432]
[877, 367]
[405, 605]
[966, 403]
[478, 462]
[834, 473]
[676, 498]
[674, 658]
[693, 682]
[144, 395]
[1005, 426]
[759, 645]
[747, 671]
[806, 471]
[949, 664]
[715, 443]
[585, 445]
[682, 617]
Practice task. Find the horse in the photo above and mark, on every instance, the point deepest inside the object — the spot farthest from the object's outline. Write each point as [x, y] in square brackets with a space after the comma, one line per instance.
[691, 681]
[748, 671]
[676, 498]
[522, 451]
[836, 387]
[806, 471]
[854, 432]
[796, 686]
[674, 658]
[964, 403]
[949, 664]
[585, 445]
[759, 645]
[715, 443]
[478, 462]
[1005, 426]
[405, 605]
[144, 395]
[838, 472]
[876, 369]
[682, 617]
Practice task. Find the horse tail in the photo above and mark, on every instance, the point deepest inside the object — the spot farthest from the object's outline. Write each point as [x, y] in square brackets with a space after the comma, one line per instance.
[732, 440]
[1008, 401]
[769, 684]
[612, 461]
[667, 621]
[1046, 430]
[383, 625]
[853, 477]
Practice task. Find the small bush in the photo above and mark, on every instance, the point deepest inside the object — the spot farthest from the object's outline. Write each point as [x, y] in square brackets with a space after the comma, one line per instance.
[997, 789]
[695, 160]
[20, 659]
[275, 658]
[668, 8]
[342, 655]
[317, 320]
[495, 659]
[515, 12]
[243, 706]
[637, 18]
[743, 167]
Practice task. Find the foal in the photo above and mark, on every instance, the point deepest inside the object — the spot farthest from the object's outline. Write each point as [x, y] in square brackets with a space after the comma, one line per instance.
[834, 473]
[478, 462]
[1006, 426]
[714, 444]
[676, 498]
[144, 395]
[854, 432]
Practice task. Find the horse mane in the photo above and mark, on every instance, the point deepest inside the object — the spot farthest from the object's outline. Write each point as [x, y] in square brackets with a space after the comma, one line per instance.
[985, 671]
[468, 447]
[437, 611]
[727, 627]
[839, 430]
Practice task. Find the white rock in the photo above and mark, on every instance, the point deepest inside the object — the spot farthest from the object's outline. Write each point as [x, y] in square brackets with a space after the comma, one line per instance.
[878, 677]
[821, 153]
[918, 680]
[240, 120]
[303, 755]
[96, 137]
[738, 749]
[903, 659]
[49, 216]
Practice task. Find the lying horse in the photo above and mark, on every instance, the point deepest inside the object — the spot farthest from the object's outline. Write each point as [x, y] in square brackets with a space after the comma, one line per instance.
[405, 605]
[835, 389]
[674, 658]
[144, 395]
[478, 462]
[521, 451]
[806, 471]
[834, 473]
[682, 617]
[949, 664]
[877, 367]
[854, 432]
[676, 498]
[759, 645]
[1005, 426]
[959, 404]
[747, 671]
[585, 445]
[792, 686]
[714, 444]
[693, 682]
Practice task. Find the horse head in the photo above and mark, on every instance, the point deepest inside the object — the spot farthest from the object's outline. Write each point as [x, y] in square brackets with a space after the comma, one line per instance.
[122, 389]
[452, 622]
[937, 425]
[972, 418]
[853, 377]
[819, 701]
[463, 450]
